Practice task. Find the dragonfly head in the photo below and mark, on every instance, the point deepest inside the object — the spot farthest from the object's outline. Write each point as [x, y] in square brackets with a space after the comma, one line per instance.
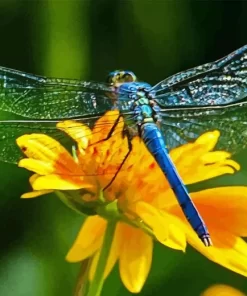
[118, 77]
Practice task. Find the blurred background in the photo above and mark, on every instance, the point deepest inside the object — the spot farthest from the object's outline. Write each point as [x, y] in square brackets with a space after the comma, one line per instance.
[85, 40]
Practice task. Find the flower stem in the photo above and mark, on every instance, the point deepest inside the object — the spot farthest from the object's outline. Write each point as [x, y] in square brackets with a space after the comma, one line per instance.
[97, 282]
[82, 281]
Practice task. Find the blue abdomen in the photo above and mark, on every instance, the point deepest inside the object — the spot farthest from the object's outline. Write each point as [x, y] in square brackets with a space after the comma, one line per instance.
[155, 143]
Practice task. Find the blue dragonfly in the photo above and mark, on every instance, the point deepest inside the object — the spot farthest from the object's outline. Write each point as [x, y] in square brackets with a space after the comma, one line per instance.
[174, 111]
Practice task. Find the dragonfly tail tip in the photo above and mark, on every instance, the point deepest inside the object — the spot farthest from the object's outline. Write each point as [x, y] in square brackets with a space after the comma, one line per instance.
[206, 240]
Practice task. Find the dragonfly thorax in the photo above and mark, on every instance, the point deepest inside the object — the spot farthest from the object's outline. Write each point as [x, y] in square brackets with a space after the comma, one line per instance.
[134, 90]
[136, 96]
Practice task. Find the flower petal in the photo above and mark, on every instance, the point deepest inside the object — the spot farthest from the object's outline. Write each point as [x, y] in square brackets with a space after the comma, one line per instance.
[200, 171]
[45, 148]
[198, 165]
[167, 228]
[38, 166]
[222, 290]
[40, 146]
[56, 182]
[224, 212]
[88, 240]
[135, 258]
[224, 207]
[113, 256]
[195, 162]
[34, 194]
[214, 156]
[208, 139]
[77, 131]
[104, 125]
[228, 250]
[176, 153]
[205, 143]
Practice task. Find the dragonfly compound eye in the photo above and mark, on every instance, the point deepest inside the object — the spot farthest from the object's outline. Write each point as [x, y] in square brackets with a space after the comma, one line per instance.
[118, 77]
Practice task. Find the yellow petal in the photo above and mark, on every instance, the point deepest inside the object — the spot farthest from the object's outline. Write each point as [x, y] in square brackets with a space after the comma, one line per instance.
[197, 165]
[222, 290]
[195, 162]
[228, 250]
[184, 155]
[88, 240]
[45, 148]
[224, 207]
[56, 182]
[35, 193]
[214, 156]
[113, 256]
[33, 178]
[77, 131]
[176, 153]
[208, 139]
[104, 124]
[198, 172]
[165, 200]
[135, 258]
[167, 228]
[206, 142]
[40, 146]
[38, 166]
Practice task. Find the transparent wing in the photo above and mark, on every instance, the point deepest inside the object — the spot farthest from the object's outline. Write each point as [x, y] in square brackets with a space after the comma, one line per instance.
[184, 125]
[10, 130]
[34, 104]
[217, 83]
[37, 97]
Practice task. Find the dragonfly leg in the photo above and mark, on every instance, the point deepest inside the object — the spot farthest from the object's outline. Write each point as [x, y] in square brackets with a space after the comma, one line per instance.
[125, 158]
[111, 130]
[129, 146]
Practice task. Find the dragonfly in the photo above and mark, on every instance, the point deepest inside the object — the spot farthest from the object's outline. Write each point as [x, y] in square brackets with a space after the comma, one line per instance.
[173, 112]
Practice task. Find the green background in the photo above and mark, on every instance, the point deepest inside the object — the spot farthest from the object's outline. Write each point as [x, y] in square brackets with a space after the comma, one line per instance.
[85, 40]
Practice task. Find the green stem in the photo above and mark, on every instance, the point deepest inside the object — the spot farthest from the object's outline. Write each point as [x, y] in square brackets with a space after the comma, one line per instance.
[82, 280]
[97, 282]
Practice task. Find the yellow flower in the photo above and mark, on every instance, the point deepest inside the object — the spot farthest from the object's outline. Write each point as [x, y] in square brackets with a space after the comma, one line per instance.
[222, 290]
[147, 207]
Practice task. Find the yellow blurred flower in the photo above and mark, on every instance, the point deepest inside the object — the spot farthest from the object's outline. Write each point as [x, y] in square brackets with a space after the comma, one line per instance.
[222, 290]
[146, 205]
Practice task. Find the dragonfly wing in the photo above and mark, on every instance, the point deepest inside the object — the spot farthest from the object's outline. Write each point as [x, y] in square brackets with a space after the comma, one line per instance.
[34, 104]
[186, 124]
[217, 83]
[10, 130]
[38, 97]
